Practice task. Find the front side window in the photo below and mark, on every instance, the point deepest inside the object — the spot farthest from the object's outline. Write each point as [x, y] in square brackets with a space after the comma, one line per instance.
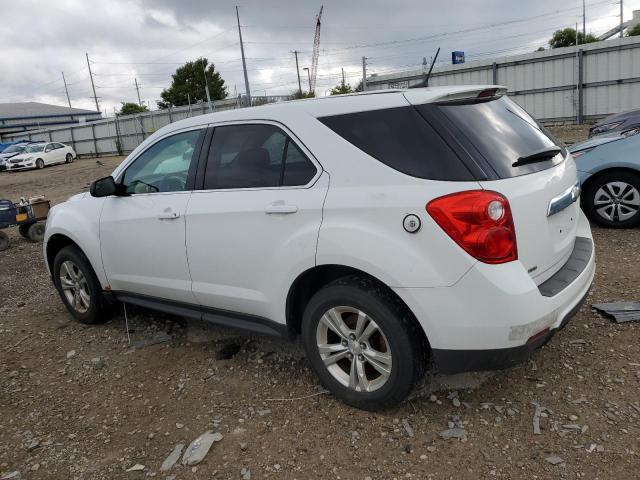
[164, 166]
[255, 156]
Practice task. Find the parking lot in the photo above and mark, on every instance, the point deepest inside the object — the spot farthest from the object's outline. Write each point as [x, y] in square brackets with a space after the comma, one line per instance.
[85, 402]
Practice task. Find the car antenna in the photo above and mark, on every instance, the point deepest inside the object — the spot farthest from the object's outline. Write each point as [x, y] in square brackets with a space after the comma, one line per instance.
[425, 82]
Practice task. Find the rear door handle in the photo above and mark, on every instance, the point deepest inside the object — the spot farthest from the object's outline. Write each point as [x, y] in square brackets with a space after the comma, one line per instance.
[280, 208]
[168, 214]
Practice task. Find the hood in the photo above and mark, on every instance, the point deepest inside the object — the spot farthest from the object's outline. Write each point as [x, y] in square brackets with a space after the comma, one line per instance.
[22, 156]
[618, 116]
[595, 142]
[8, 155]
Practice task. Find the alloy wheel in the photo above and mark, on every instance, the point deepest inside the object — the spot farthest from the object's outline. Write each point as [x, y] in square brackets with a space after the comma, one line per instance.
[354, 349]
[617, 201]
[75, 286]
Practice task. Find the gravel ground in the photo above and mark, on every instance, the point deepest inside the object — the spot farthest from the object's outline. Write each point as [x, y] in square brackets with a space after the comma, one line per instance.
[82, 402]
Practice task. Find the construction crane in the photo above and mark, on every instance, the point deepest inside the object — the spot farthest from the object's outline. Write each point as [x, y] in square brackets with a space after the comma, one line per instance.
[316, 52]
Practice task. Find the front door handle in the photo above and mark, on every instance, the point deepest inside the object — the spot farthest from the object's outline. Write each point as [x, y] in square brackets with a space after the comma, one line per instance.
[280, 207]
[168, 214]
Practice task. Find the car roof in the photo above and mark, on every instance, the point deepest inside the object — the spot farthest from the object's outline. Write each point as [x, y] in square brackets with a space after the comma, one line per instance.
[336, 104]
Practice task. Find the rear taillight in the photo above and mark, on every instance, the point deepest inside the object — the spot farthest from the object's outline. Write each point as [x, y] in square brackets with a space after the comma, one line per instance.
[480, 222]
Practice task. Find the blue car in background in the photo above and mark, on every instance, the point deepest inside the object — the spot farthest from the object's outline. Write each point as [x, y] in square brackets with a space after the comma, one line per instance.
[609, 171]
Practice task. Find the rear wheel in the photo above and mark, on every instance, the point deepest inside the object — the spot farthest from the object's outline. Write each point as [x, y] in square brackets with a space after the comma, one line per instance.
[69, 158]
[24, 230]
[35, 232]
[39, 163]
[4, 241]
[613, 199]
[362, 343]
[78, 286]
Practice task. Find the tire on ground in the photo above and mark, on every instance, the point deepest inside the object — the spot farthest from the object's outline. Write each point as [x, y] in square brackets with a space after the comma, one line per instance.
[392, 317]
[35, 232]
[97, 311]
[4, 241]
[588, 198]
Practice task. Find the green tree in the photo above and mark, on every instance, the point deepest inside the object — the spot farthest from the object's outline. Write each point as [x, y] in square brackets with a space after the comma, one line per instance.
[297, 94]
[129, 108]
[567, 38]
[188, 83]
[341, 89]
[635, 31]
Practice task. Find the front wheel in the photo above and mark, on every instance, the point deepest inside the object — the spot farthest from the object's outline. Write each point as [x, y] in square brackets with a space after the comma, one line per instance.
[613, 199]
[78, 286]
[39, 164]
[362, 343]
[69, 158]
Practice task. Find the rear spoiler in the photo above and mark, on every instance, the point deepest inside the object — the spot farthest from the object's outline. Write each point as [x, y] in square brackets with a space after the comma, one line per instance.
[467, 94]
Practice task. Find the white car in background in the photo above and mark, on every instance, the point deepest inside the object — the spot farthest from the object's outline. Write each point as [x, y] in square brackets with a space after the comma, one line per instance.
[38, 155]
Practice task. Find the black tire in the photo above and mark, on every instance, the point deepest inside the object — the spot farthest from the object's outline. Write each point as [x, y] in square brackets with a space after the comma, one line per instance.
[4, 241]
[39, 164]
[35, 232]
[599, 184]
[24, 230]
[96, 311]
[69, 158]
[398, 327]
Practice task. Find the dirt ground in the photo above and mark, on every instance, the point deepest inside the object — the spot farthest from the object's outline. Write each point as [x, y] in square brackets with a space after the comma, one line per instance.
[80, 402]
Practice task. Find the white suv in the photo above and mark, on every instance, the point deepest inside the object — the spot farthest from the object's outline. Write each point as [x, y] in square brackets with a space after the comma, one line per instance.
[392, 231]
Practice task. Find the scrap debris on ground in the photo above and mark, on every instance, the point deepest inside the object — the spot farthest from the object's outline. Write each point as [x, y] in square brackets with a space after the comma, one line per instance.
[620, 311]
[79, 402]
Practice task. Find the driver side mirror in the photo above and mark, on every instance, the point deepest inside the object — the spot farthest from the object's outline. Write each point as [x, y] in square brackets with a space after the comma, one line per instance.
[105, 187]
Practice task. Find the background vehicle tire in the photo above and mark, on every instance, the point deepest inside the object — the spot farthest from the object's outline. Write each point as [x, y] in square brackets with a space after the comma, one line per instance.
[39, 164]
[24, 230]
[613, 199]
[35, 232]
[78, 286]
[4, 241]
[363, 343]
[69, 158]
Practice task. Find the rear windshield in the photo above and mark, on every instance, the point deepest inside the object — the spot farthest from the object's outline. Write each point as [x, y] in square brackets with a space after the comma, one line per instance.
[501, 132]
[401, 139]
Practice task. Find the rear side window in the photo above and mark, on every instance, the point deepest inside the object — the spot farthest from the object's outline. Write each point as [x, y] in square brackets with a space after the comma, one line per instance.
[255, 156]
[401, 139]
[501, 132]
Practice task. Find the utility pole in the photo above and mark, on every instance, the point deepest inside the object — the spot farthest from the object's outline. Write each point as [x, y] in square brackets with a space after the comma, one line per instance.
[308, 77]
[295, 52]
[342, 75]
[66, 89]
[621, 19]
[206, 86]
[93, 87]
[364, 74]
[584, 20]
[138, 91]
[244, 63]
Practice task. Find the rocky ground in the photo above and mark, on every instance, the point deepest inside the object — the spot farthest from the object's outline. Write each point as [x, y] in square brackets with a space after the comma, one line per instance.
[80, 402]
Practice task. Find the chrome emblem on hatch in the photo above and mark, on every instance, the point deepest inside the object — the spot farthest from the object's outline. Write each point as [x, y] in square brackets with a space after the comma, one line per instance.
[562, 201]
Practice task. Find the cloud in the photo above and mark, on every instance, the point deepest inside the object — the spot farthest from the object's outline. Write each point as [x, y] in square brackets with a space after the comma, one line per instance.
[149, 39]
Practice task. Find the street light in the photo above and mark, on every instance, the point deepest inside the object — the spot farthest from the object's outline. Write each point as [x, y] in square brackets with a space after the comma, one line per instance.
[308, 76]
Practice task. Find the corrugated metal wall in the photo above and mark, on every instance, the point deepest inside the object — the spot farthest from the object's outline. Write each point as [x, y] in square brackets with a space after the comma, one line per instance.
[546, 83]
[121, 135]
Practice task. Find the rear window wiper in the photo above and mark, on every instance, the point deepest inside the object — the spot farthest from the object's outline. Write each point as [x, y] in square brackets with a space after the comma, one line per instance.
[539, 156]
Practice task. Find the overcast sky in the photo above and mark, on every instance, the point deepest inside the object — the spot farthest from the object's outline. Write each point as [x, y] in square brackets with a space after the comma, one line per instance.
[149, 39]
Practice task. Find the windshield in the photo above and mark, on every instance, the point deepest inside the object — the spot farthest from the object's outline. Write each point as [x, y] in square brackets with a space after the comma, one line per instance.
[14, 149]
[34, 148]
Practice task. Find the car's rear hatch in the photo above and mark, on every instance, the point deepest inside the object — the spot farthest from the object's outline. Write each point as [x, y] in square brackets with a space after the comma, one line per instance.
[510, 153]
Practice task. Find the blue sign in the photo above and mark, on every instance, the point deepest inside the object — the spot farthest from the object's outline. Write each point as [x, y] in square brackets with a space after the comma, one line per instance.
[457, 57]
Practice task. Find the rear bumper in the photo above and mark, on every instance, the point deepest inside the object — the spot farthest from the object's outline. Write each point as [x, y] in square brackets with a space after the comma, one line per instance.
[457, 361]
[496, 316]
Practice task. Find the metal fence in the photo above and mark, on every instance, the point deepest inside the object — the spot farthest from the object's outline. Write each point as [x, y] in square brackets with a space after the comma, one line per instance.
[120, 135]
[563, 85]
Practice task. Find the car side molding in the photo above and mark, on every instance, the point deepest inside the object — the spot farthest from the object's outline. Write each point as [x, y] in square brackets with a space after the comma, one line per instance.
[225, 318]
